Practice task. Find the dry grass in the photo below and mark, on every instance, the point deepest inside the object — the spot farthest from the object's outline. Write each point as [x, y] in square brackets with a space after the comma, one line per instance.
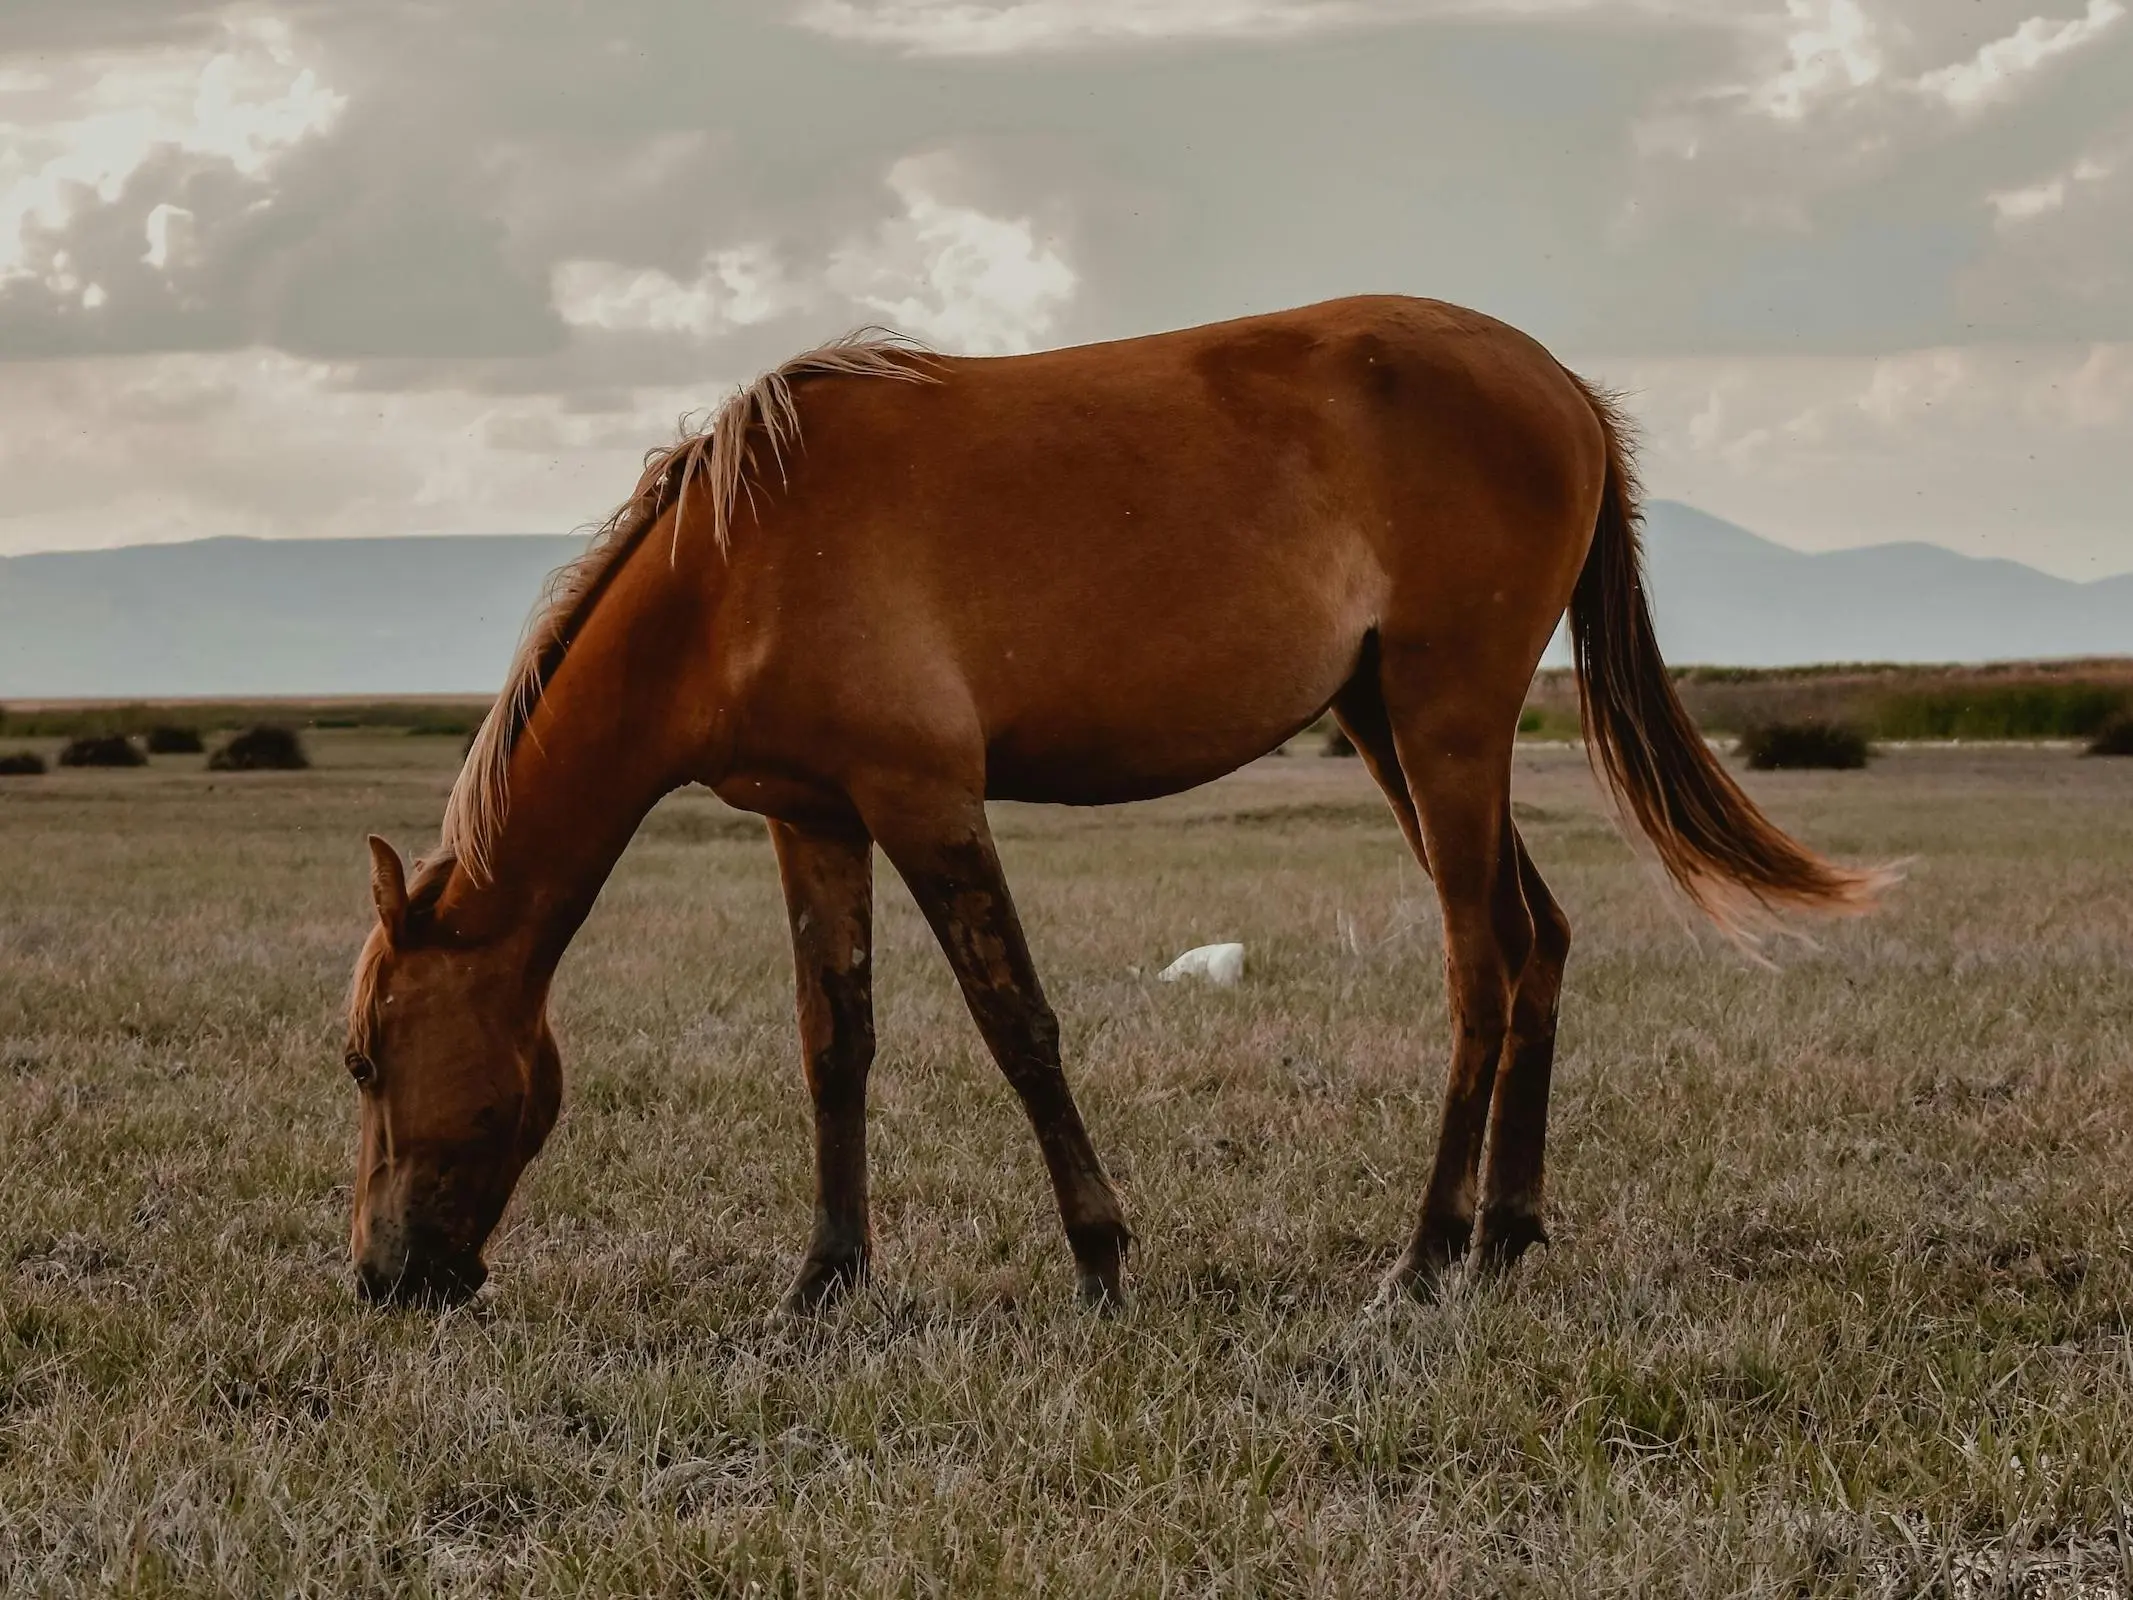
[1837, 1301]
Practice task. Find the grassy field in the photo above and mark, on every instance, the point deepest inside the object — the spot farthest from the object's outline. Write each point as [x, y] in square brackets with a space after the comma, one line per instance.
[1837, 1301]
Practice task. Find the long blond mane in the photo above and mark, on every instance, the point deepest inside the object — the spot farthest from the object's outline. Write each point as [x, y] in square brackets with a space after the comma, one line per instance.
[712, 465]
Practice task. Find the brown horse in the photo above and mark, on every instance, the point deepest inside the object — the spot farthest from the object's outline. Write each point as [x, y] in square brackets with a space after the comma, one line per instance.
[1084, 576]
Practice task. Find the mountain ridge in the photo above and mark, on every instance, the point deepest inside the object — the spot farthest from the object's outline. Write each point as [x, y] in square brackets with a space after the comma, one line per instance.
[441, 613]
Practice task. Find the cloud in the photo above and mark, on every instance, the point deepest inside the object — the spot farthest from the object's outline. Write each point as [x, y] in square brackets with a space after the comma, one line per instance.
[953, 275]
[954, 28]
[2016, 206]
[1992, 72]
[1832, 48]
[736, 288]
[242, 104]
[976, 28]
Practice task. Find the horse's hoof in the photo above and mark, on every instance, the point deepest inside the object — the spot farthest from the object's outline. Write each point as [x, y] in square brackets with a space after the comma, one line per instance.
[1503, 1236]
[822, 1282]
[1100, 1265]
[1424, 1268]
[1102, 1294]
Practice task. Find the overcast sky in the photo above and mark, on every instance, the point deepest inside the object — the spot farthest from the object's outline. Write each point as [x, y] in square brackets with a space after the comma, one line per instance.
[1864, 266]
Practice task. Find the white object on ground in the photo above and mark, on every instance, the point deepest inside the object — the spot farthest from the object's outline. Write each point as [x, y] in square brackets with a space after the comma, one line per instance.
[1218, 963]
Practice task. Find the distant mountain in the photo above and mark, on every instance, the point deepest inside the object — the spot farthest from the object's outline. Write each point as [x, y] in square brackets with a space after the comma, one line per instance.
[271, 616]
[440, 615]
[1724, 597]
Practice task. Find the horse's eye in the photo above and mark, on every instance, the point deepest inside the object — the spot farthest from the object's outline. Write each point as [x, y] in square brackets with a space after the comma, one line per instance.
[362, 1068]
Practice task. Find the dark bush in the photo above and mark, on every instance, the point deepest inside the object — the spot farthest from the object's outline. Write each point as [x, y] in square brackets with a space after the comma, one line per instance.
[2114, 738]
[102, 750]
[263, 749]
[21, 764]
[1337, 741]
[170, 739]
[1791, 746]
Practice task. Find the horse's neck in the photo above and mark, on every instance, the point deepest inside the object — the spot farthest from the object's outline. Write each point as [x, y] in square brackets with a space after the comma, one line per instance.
[582, 776]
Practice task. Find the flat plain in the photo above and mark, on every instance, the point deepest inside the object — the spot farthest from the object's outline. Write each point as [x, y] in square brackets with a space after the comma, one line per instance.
[1837, 1300]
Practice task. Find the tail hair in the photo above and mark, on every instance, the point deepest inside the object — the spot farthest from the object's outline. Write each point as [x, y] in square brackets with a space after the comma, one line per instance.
[1732, 862]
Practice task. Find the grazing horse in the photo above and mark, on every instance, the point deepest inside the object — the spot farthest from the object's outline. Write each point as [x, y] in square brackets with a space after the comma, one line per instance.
[883, 587]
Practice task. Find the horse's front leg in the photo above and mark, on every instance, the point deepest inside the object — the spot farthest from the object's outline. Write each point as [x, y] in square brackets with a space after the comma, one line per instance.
[942, 847]
[829, 897]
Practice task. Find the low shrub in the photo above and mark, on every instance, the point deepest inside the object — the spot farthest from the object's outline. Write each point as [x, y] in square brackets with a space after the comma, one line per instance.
[171, 739]
[21, 764]
[102, 750]
[267, 748]
[1793, 746]
[2114, 738]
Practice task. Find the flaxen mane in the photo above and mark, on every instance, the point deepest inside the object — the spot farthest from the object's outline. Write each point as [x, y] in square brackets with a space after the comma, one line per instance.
[715, 463]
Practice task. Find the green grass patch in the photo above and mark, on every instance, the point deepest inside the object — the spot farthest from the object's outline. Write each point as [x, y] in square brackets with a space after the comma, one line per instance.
[2015, 711]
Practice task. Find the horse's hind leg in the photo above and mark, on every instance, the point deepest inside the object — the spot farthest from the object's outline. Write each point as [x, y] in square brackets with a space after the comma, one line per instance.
[1455, 753]
[1511, 1185]
[829, 899]
[944, 851]
[1360, 710]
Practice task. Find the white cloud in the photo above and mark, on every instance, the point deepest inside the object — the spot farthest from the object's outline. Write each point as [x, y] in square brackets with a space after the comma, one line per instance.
[1989, 74]
[736, 288]
[955, 28]
[244, 103]
[2016, 206]
[1832, 47]
[953, 275]
[1905, 387]
[165, 229]
[1010, 27]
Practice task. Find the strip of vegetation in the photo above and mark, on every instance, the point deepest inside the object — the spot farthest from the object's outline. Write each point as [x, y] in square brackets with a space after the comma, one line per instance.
[2026, 711]
[453, 716]
[1998, 700]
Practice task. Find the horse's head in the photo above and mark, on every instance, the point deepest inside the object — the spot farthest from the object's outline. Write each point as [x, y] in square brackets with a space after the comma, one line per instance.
[460, 1083]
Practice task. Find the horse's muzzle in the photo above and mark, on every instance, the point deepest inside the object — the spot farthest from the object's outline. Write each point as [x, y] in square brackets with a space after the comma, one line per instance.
[421, 1281]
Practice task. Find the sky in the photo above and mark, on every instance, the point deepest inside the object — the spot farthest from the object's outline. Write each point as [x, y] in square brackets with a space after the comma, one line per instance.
[1864, 268]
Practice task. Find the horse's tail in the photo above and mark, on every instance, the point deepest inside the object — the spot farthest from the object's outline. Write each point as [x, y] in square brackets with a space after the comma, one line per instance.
[1737, 866]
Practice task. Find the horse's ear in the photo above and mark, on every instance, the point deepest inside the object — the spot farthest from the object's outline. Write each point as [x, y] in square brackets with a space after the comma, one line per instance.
[388, 887]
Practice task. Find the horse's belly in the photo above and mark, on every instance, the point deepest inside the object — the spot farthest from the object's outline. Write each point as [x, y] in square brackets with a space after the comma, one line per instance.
[1132, 724]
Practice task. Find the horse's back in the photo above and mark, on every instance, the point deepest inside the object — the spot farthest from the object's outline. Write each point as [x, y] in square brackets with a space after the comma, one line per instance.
[1122, 569]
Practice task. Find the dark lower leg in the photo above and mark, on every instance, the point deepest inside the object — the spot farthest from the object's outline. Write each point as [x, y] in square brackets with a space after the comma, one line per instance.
[1511, 1195]
[829, 890]
[955, 877]
[1487, 935]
